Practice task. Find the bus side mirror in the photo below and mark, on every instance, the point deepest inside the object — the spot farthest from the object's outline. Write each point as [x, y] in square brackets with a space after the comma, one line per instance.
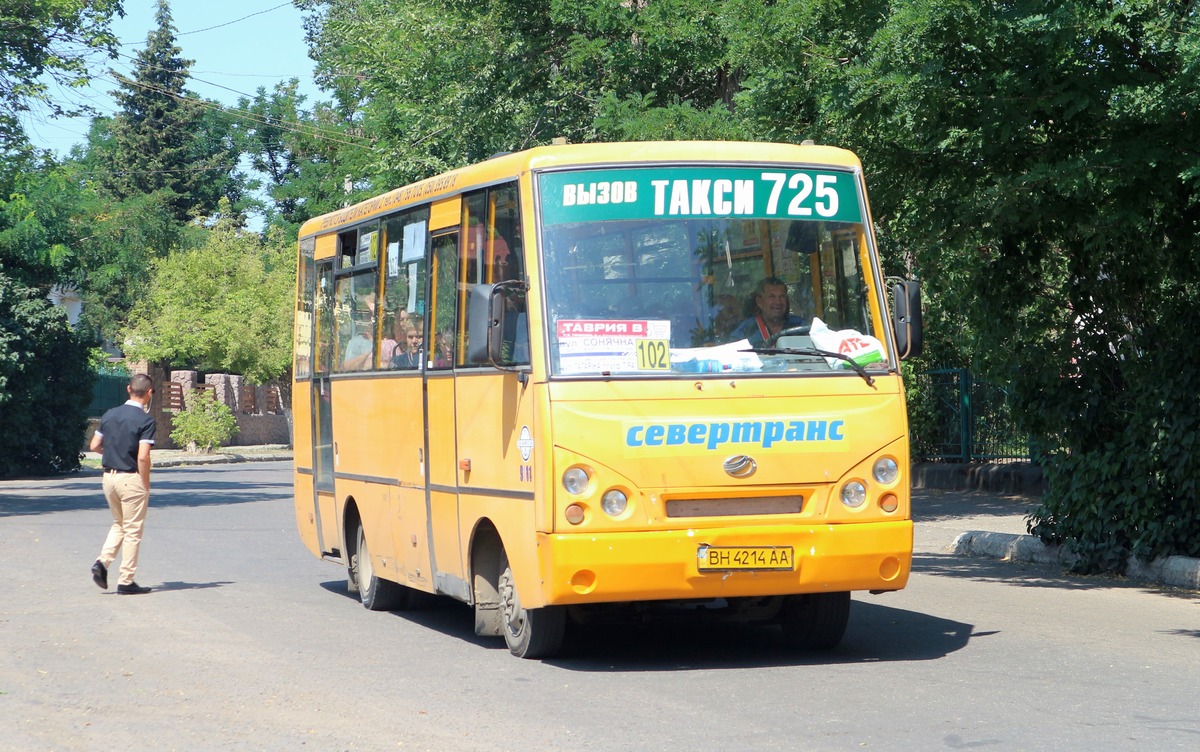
[485, 322]
[906, 318]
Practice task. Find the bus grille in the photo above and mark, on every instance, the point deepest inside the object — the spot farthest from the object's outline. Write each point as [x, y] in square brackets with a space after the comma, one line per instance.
[734, 506]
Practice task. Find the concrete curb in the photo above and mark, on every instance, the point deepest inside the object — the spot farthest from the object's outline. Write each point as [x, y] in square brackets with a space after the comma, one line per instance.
[1172, 571]
[158, 460]
[223, 459]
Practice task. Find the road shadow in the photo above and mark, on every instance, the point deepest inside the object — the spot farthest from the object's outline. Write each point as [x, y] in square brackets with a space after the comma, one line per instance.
[439, 613]
[177, 585]
[194, 486]
[931, 505]
[1033, 575]
[876, 633]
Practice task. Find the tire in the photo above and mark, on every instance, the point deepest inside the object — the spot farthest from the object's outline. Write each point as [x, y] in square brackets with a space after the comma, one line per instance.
[533, 632]
[816, 621]
[375, 593]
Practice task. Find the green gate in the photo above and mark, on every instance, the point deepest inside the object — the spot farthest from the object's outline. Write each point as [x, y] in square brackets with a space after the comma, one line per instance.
[967, 420]
[109, 391]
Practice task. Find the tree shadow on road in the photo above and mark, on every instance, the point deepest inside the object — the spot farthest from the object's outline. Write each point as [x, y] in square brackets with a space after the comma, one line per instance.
[1031, 575]
[169, 487]
[934, 505]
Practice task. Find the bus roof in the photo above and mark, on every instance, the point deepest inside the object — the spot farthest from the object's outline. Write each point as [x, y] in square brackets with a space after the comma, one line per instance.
[547, 157]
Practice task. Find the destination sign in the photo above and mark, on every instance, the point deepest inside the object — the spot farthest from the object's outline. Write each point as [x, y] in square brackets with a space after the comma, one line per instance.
[698, 192]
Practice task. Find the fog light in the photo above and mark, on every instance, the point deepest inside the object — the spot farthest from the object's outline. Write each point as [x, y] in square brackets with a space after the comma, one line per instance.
[614, 502]
[575, 480]
[886, 470]
[854, 494]
[574, 513]
[889, 502]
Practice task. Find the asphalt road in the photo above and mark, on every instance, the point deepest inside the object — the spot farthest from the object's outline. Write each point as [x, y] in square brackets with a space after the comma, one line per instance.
[248, 643]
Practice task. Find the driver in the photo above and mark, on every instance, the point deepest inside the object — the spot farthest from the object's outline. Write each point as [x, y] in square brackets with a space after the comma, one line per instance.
[771, 314]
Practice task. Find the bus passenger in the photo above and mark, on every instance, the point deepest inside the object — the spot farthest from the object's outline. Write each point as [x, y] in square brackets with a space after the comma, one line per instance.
[726, 315]
[411, 351]
[771, 314]
[358, 349]
[395, 343]
[443, 349]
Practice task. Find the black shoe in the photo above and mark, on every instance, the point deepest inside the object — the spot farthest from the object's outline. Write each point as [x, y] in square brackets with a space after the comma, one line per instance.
[132, 589]
[100, 575]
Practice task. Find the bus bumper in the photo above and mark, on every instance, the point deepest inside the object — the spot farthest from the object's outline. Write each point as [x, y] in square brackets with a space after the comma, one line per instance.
[654, 565]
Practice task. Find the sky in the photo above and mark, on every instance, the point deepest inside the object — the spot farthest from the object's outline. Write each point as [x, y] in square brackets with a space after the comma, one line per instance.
[237, 46]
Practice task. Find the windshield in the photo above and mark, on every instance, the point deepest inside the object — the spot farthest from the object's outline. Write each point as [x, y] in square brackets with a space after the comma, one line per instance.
[684, 270]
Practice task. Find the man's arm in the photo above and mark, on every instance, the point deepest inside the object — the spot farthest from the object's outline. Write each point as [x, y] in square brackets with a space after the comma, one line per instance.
[143, 463]
[97, 442]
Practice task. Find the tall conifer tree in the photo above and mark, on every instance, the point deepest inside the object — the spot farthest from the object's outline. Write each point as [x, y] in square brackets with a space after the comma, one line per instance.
[165, 139]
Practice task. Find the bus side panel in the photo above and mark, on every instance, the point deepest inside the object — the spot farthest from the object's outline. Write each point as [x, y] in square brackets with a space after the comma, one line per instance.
[513, 520]
[494, 411]
[363, 423]
[496, 434]
[360, 418]
[401, 434]
[443, 471]
[374, 503]
[306, 519]
[412, 539]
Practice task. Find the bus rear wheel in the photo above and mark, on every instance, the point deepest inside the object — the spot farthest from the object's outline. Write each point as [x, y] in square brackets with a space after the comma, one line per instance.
[376, 594]
[816, 621]
[528, 632]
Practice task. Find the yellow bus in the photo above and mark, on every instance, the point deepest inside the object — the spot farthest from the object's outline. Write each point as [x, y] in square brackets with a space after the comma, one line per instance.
[608, 380]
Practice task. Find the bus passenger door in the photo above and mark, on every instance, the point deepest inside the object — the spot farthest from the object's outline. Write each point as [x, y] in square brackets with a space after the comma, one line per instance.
[322, 423]
[442, 454]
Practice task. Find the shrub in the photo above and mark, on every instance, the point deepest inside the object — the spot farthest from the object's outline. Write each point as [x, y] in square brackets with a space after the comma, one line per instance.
[204, 424]
[45, 384]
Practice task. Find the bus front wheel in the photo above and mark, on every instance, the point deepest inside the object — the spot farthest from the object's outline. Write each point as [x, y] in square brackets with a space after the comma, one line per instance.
[815, 621]
[375, 593]
[532, 632]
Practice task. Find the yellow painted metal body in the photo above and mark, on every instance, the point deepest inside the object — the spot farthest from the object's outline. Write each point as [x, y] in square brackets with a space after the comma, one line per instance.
[429, 459]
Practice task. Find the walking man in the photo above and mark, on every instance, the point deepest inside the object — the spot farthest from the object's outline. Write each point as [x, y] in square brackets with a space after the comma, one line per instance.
[124, 438]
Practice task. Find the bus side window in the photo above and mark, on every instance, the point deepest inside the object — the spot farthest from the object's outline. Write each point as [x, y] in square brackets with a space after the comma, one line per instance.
[404, 273]
[441, 323]
[355, 316]
[491, 253]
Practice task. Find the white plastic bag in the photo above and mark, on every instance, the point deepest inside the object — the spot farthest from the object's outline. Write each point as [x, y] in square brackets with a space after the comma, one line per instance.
[862, 348]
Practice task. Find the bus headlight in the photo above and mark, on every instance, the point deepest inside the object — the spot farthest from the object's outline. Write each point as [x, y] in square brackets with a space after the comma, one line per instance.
[854, 494]
[576, 480]
[614, 502]
[886, 470]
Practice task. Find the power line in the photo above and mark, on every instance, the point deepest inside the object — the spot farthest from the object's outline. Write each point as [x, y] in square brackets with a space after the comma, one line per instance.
[312, 131]
[230, 23]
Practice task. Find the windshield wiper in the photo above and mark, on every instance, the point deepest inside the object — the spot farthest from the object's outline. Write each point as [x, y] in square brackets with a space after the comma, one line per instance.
[814, 351]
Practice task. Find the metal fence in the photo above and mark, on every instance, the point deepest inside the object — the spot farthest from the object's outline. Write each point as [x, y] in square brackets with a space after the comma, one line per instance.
[963, 420]
[109, 391]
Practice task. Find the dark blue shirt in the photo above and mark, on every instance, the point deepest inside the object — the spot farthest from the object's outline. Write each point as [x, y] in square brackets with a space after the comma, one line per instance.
[122, 429]
[751, 329]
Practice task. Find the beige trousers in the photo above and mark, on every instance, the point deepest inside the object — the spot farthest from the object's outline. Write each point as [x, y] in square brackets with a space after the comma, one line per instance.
[127, 500]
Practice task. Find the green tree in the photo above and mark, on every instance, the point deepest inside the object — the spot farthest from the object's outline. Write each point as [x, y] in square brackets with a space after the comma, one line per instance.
[224, 306]
[165, 140]
[1034, 162]
[45, 384]
[1038, 161]
[50, 41]
[437, 83]
[303, 154]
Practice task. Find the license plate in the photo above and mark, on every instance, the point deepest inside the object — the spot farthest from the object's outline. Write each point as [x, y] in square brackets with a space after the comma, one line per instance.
[757, 558]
